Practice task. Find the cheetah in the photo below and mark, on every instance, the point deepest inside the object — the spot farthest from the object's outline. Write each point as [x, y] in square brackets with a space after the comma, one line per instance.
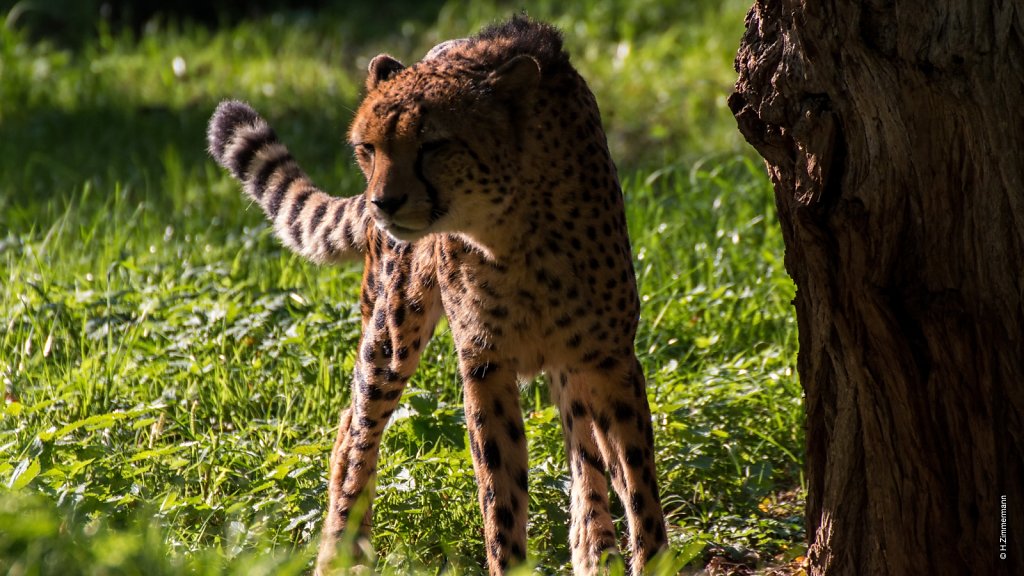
[491, 198]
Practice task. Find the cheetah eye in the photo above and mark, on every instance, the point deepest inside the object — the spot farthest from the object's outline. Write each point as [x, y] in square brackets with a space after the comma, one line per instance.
[364, 151]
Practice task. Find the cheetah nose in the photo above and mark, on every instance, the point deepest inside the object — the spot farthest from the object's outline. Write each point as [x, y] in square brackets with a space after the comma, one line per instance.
[390, 204]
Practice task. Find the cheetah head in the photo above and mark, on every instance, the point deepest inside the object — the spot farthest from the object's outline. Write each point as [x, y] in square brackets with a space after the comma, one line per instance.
[440, 141]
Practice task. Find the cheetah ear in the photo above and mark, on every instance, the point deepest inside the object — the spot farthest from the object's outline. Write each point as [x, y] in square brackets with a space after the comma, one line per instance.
[381, 68]
[516, 77]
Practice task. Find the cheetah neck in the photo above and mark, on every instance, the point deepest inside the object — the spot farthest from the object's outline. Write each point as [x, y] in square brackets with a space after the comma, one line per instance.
[567, 178]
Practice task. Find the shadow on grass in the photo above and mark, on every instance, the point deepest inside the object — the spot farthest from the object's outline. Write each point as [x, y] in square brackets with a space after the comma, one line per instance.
[74, 23]
[154, 154]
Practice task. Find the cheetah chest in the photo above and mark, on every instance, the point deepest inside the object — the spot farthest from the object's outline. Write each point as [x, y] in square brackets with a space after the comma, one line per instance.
[539, 313]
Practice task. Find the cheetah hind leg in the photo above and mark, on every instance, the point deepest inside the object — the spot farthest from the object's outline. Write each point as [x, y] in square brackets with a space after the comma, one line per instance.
[335, 524]
[376, 391]
[625, 436]
[389, 351]
[591, 532]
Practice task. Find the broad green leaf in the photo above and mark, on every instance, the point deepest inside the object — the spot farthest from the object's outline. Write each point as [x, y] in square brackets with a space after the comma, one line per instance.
[26, 471]
[691, 550]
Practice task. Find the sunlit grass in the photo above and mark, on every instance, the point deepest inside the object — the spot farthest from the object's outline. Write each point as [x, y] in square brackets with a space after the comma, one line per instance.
[173, 376]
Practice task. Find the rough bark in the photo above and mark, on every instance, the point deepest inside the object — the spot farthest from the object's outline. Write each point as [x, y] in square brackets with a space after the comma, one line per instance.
[893, 132]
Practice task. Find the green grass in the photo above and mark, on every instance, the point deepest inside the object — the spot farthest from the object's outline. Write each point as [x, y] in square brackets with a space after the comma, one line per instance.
[173, 376]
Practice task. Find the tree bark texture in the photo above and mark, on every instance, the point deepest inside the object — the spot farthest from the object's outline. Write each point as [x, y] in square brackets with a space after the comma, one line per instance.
[893, 132]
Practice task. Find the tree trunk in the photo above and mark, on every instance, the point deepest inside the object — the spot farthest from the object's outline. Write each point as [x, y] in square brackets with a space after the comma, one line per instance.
[893, 132]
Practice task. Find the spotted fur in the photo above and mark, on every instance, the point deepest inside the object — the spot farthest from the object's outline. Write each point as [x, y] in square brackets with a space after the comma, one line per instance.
[491, 198]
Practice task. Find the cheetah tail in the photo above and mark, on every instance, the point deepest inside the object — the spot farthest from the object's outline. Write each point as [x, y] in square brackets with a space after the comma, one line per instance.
[315, 225]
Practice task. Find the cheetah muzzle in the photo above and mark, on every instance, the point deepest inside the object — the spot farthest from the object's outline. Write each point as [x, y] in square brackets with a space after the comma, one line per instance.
[491, 198]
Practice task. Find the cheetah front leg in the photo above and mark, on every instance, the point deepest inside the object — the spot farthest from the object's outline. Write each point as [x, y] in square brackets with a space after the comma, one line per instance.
[498, 446]
[400, 308]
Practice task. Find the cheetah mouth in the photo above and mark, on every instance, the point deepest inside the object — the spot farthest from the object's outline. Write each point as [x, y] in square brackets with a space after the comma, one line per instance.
[408, 230]
[403, 233]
